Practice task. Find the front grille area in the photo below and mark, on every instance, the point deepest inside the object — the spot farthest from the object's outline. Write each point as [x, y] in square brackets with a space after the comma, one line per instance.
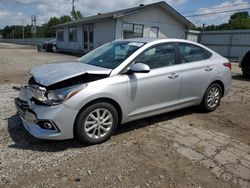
[22, 106]
[32, 81]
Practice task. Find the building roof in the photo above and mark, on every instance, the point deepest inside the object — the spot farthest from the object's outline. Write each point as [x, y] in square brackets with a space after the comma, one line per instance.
[121, 13]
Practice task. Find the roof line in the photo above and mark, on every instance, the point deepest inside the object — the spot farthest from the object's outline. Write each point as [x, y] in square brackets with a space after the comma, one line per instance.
[123, 12]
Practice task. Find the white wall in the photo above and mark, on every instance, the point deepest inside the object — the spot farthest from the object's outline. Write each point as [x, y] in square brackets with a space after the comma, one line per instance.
[111, 29]
[104, 32]
[66, 44]
[118, 29]
[155, 16]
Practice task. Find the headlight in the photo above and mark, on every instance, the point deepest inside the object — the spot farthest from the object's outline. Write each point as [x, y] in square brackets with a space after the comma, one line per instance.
[56, 96]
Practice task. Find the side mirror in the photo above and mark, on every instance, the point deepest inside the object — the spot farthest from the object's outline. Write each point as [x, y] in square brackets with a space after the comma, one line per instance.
[139, 68]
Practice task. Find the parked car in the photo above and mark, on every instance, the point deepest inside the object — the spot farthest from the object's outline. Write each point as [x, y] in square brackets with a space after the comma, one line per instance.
[244, 64]
[47, 46]
[119, 82]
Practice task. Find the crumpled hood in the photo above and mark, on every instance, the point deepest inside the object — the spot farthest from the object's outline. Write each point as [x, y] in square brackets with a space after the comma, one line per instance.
[49, 74]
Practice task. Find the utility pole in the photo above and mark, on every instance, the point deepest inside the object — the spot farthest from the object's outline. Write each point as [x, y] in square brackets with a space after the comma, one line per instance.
[73, 5]
[23, 27]
[33, 27]
[15, 33]
[202, 31]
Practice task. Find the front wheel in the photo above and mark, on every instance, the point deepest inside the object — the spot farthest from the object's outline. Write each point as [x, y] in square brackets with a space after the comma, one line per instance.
[96, 123]
[212, 98]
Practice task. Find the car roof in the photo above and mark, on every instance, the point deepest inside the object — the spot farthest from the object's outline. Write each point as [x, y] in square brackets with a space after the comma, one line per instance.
[149, 40]
[152, 41]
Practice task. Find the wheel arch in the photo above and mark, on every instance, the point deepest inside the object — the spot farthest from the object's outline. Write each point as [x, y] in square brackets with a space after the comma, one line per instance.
[103, 99]
[221, 85]
[203, 105]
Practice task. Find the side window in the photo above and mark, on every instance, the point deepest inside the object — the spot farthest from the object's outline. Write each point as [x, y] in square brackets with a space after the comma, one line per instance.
[123, 51]
[158, 56]
[192, 53]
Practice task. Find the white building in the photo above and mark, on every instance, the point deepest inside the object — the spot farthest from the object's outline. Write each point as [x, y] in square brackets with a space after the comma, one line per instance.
[152, 20]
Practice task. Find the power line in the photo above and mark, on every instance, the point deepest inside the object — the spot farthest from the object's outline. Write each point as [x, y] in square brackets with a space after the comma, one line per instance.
[207, 14]
[240, 4]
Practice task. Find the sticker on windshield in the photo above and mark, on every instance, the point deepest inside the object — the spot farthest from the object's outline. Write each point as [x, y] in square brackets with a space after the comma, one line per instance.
[138, 44]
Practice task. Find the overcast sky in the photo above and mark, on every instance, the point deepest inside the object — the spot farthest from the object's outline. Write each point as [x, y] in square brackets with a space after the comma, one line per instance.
[14, 11]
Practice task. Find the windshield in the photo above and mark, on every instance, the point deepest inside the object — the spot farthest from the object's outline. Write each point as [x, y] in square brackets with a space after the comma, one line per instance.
[112, 54]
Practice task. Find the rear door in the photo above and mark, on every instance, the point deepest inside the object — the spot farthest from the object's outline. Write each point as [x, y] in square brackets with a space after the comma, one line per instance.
[197, 70]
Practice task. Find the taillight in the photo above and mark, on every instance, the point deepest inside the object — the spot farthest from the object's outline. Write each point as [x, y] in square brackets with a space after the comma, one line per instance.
[229, 65]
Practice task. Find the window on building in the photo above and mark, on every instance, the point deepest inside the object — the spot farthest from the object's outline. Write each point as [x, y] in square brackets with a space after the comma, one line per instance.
[60, 34]
[192, 53]
[161, 55]
[154, 32]
[88, 37]
[73, 34]
[132, 30]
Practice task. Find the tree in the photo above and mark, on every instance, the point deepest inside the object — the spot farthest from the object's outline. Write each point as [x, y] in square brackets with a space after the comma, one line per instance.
[46, 30]
[65, 18]
[239, 15]
[76, 14]
[238, 20]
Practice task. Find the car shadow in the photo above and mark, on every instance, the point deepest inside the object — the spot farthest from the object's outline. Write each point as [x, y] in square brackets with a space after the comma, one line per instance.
[23, 140]
[156, 119]
[239, 77]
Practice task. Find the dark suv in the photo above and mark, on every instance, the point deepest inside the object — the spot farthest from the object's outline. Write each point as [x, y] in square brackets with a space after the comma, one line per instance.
[245, 65]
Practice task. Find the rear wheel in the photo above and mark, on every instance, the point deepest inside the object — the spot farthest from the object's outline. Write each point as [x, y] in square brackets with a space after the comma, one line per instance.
[212, 98]
[96, 123]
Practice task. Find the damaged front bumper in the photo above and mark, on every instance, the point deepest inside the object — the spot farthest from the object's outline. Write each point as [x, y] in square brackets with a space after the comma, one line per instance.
[45, 122]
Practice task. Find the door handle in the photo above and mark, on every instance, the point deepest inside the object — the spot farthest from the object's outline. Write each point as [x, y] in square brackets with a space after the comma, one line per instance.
[173, 76]
[208, 69]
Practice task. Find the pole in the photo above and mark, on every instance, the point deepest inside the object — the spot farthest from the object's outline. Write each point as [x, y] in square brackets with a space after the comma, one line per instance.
[23, 28]
[73, 5]
[35, 25]
[202, 31]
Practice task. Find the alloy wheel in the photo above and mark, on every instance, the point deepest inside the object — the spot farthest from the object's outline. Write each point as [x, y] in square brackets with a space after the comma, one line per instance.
[98, 123]
[213, 97]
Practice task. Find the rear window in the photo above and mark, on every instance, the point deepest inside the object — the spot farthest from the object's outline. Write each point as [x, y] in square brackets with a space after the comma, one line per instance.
[192, 53]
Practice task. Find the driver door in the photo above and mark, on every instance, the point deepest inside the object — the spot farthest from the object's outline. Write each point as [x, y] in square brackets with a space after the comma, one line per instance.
[154, 92]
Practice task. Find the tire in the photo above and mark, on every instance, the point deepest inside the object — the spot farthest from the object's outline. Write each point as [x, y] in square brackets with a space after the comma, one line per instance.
[212, 98]
[39, 48]
[246, 72]
[54, 49]
[245, 65]
[98, 130]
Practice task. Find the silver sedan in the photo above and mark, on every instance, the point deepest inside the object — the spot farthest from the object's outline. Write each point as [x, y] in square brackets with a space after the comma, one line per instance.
[119, 82]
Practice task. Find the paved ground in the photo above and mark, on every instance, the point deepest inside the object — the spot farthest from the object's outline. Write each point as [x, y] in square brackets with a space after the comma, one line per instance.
[226, 157]
[16, 60]
[179, 149]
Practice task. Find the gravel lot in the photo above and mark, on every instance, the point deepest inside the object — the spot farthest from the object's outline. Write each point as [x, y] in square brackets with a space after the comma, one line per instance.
[185, 148]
